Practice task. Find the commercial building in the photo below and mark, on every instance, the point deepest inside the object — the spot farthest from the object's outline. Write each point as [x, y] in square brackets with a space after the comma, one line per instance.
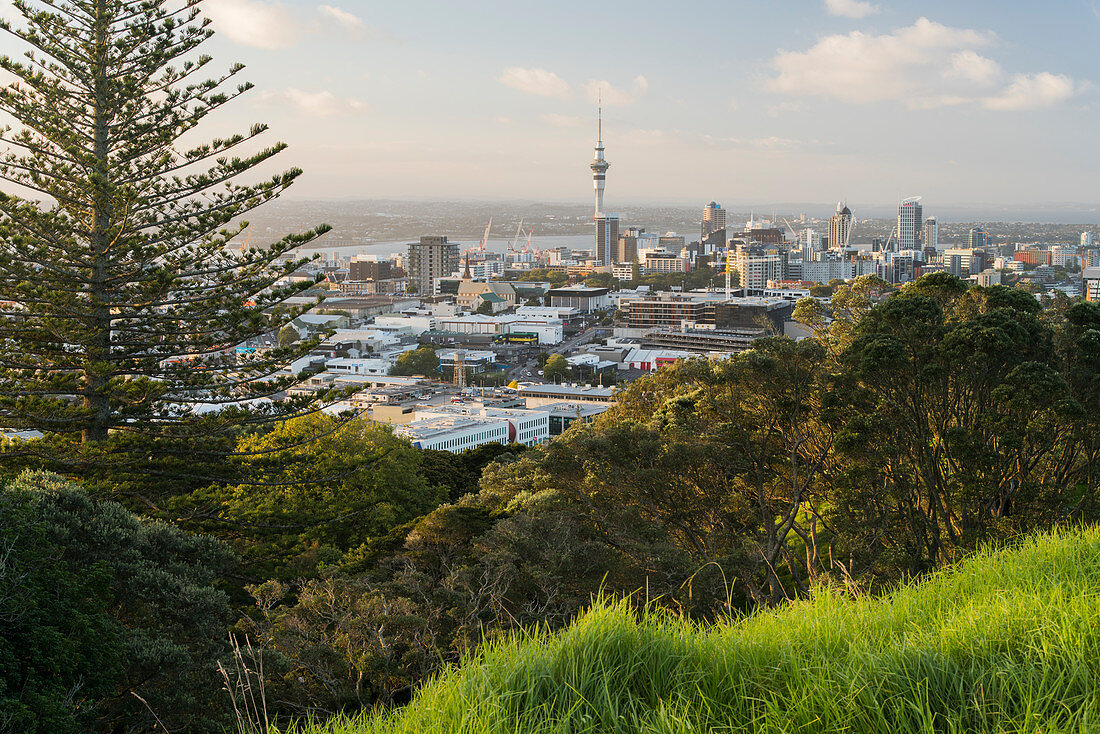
[456, 428]
[840, 226]
[931, 234]
[543, 394]
[910, 221]
[757, 265]
[714, 219]
[1091, 281]
[583, 298]
[666, 262]
[1032, 256]
[433, 257]
[361, 269]
[977, 238]
[563, 415]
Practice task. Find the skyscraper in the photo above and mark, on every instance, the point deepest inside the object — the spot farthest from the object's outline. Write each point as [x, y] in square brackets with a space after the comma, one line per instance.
[977, 237]
[931, 233]
[607, 225]
[840, 226]
[714, 219]
[910, 219]
[433, 257]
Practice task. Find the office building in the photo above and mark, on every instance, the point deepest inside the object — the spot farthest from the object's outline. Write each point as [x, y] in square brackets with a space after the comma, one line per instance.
[628, 246]
[361, 269]
[840, 226]
[1091, 278]
[607, 238]
[977, 238]
[757, 265]
[714, 219]
[910, 221]
[433, 257]
[1086, 239]
[931, 234]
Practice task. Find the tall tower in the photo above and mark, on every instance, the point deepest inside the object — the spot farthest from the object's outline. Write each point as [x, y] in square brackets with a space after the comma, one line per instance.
[607, 225]
[599, 166]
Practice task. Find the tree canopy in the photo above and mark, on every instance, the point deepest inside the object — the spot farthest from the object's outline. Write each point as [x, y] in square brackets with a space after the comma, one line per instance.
[125, 304]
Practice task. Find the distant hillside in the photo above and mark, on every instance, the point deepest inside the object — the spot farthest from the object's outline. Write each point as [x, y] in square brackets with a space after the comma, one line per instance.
[1009, 641]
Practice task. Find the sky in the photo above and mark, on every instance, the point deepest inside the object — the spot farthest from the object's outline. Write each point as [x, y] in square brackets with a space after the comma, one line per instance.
[976, 102]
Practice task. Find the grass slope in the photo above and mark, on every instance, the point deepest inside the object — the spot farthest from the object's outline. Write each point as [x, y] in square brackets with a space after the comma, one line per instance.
[1008, 641]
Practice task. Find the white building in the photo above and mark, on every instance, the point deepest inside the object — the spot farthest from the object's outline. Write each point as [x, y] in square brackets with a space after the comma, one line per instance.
[1063, 255]
[358, 366]
[454, 433]
[549, 330]
[415, 323]
[456, 428]
[1091, 284]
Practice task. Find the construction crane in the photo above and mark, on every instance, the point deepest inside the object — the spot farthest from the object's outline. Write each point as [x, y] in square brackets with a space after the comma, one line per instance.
[485, 237]
[793, 233]
[515, 239]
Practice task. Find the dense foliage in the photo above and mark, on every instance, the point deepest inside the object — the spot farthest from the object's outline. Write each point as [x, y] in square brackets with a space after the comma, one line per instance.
[102, 612]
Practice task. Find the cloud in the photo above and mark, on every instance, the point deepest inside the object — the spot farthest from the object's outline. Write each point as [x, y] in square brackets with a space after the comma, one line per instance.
[555, 120]
[772, 143]
[315, 104]
[850, 8]
[923, 66]
[268, 25]
[973, 67]
[616, 96]
[348, 20]
[1033, 91]
[539, 82]
[352, 25]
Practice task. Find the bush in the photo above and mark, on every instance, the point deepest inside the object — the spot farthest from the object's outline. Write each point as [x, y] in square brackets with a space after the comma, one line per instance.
[96, 605]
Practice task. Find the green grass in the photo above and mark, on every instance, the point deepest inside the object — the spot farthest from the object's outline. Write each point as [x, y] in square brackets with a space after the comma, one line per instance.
[1008, 641]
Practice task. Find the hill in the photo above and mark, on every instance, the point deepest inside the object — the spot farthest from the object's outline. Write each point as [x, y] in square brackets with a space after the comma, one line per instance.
[1008, 641]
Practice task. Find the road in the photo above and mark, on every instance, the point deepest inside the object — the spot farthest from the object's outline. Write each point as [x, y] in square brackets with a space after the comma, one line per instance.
[527, 369]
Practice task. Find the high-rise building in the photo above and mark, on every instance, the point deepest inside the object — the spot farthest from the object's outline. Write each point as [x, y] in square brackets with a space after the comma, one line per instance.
[433, 257]
[977, 237]
[931, 234]
[910, 220]
[714, 219]
[607, 238]
[840, 226]
[757, 265]
[628, 245]
[1086, 239]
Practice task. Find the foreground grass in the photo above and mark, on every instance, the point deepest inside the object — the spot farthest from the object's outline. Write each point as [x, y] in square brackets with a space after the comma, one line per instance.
[1007, 642]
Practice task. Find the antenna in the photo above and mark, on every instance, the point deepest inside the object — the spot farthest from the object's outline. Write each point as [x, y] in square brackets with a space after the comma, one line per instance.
[599, 114]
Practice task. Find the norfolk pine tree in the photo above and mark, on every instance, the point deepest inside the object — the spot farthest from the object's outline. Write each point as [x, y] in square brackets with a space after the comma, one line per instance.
[122, 307]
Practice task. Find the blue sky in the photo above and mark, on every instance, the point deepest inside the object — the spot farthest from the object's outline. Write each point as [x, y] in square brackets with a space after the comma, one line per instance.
[744, 102]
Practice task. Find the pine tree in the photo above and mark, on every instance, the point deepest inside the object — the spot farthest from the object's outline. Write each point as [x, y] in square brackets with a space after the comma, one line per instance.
[122, 306]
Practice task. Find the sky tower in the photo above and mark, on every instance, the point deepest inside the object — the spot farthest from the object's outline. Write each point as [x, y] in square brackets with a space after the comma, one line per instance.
[607, 225]
[599, 166]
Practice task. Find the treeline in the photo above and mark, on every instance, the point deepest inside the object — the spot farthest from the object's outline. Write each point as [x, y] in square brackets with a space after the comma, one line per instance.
[905, 434]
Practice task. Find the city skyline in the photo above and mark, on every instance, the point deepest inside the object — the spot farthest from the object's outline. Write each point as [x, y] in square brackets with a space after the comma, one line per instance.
[817, 101]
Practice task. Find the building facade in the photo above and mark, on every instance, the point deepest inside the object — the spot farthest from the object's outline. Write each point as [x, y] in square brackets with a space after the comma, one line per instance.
[840, 226]
[910, 222]
[433, 257]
